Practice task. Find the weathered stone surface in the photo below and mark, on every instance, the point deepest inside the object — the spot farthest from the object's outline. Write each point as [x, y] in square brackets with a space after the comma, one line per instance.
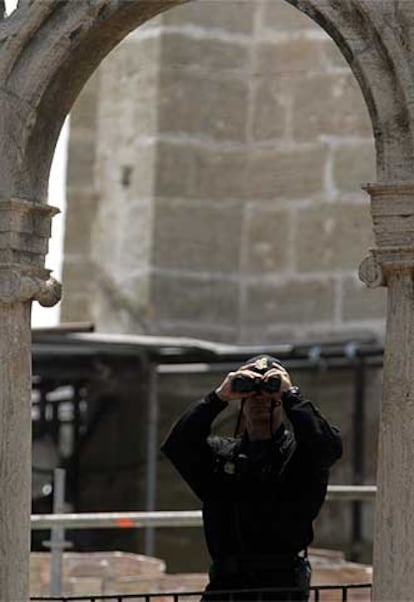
[175, 165]
[79, 276]
[141, 172]
[15, 450]
[137, 240]
[197, 237]
[145, 92]
[392, 530]
[270, 110]
[195, 298]
[199, 104]
[332, 236]
[282, 17]
[353, 165]
[84, 113]
[22, 279]
[391, 264]
[286, 174]
[81, 164]
[360, 303]
[185, 53]
[77, 306]
[291, 59]
[78, 232]
[233, 16]
[187, 171]
[267, 241]
[329, 105]
[294, 301]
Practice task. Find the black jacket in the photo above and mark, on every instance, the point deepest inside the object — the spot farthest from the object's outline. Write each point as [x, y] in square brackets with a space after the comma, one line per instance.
[258, 497]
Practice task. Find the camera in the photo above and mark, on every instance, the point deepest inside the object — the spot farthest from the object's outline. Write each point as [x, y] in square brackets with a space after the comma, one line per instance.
[246, 384]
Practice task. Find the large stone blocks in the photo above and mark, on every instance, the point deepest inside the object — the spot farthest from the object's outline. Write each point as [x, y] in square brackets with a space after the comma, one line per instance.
[197, 238]
[353, 165]
[81, 163]
[286, 173]
[234, 16]
[332, 237]
[184, 52]
[270, 110]
[266, 243]
[245, 125]
[329, 105]
[80, 219]
[293, 58]
[294, 302]
[360, 302]
[211, 300]
[192, 171]
[283, 18]
[204, 105]
[136, 242]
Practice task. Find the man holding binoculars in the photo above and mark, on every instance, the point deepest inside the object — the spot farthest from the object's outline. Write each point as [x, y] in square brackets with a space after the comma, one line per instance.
[262, 488]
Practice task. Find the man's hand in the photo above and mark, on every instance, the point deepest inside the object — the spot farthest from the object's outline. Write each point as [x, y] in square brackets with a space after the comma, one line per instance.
[225, 390]
[285, 382]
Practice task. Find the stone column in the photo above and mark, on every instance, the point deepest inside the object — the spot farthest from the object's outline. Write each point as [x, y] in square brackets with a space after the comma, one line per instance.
[24, 234]
[391, 264]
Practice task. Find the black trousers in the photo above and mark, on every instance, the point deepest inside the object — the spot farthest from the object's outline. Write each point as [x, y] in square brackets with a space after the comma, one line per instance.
[276, 584]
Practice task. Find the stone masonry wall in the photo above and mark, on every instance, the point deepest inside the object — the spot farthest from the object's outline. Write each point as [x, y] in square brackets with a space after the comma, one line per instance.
[214, 182]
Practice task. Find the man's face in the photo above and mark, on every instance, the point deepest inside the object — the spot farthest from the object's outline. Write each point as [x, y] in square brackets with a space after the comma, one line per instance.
[257, 408]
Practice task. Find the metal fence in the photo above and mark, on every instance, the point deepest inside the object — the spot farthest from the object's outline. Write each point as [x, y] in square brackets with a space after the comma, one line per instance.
[360, 592]
[59, 522]
[184, 518]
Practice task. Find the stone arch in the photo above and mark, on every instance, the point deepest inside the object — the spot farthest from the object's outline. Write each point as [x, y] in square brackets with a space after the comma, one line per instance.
[48, 50]
[380, 63]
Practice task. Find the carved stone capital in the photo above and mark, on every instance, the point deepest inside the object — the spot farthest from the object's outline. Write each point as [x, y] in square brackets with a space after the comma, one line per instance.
[370, 271]
[392, 210]
[17, 286]
[381, 263]
[25, 229]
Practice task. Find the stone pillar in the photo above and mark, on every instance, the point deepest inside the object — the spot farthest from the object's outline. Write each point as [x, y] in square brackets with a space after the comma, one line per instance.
[391, 264]
[24, 233]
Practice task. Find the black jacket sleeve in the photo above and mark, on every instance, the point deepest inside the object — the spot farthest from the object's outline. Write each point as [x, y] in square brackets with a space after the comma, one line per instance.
[186, 445]
[312, 431]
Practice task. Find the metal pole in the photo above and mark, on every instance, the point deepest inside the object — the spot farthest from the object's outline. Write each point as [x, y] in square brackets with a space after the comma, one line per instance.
[358, 455]
[152, 453]
[57, 542]
[76, 426]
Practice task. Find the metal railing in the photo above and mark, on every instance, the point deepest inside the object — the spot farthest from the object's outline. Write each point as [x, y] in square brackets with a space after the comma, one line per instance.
[318, 593]
[59, 522]
[186, 518]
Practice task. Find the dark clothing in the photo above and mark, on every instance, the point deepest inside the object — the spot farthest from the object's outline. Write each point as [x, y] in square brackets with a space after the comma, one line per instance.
[259, 497]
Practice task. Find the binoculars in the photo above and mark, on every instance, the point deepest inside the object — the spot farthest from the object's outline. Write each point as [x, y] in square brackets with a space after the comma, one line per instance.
[245, 384]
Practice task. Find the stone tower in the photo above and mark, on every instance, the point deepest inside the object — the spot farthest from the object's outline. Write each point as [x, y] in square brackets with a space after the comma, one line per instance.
[215, 166]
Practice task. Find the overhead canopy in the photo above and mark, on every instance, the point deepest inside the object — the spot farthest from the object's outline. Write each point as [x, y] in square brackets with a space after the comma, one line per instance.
[75, 346]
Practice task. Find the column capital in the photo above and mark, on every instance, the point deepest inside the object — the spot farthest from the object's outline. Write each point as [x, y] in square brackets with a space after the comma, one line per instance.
[25, 229]
[392, 211]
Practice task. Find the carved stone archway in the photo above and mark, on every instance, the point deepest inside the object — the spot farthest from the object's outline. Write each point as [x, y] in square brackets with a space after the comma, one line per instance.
[48, 49]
